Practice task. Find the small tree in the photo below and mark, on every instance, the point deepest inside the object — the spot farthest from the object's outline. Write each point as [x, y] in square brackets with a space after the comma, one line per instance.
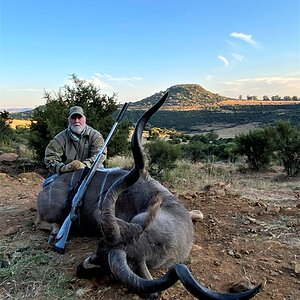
[224, 150]
[257, 146]
[5, 130]
[287, 141]
[194, 151]
[7, 134]
[162, 156]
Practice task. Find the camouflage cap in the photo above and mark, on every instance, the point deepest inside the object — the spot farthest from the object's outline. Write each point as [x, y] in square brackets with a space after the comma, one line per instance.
[76, 110]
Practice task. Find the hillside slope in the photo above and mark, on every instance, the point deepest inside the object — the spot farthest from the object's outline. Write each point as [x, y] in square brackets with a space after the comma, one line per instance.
[182, 97]
[203, 120]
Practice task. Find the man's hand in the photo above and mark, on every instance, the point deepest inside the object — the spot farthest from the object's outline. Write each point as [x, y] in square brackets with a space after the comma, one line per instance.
[77, 164]
[72, 166]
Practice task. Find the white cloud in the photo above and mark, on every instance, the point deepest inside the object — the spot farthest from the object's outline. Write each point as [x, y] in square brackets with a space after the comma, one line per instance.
[224, 60]
[118, 79]
[245, 37]
[238, 57]
[272, 80]
[109, 83]
[97, 81]
[123, 87]
[260, 86]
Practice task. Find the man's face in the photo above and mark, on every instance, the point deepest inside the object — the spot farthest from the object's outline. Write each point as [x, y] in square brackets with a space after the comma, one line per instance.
[77, 123]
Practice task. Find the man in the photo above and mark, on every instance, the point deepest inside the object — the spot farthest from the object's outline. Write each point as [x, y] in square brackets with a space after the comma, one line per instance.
[75, 147]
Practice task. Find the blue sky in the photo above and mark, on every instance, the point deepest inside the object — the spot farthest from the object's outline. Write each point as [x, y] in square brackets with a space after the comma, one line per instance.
[136, 48]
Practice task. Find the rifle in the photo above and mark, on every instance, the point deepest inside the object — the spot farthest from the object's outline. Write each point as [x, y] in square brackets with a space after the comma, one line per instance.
[62, 235]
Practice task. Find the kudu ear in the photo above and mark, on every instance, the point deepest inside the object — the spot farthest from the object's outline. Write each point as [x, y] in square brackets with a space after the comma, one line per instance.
[154, 206]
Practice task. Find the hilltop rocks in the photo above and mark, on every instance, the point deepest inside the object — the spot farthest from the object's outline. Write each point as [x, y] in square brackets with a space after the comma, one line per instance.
[182, 97]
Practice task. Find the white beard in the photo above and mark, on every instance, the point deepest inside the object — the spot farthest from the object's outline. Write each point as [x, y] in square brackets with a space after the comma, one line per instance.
[77, 129]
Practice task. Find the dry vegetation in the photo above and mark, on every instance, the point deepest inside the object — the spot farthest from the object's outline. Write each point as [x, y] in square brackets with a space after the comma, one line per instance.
[255, 102]
[23, 123]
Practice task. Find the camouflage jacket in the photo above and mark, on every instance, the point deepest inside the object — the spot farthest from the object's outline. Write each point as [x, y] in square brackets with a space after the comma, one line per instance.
[63, 149]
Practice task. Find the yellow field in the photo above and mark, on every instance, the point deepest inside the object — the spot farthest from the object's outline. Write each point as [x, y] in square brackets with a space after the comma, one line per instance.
[23, 123]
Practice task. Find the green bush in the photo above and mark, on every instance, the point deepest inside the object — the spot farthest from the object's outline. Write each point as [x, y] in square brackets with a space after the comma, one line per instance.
[222, 150]
[208, 147]
[162, 156]
[257, 146]
[287, 141]
[6, 132]
[261, 145]
[194, 151]
[174, 141]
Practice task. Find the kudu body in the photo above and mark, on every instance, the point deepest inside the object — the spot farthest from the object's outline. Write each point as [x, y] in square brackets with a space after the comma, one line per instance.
[141, 224]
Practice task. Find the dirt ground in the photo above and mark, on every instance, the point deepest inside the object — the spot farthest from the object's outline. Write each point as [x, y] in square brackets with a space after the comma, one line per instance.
[239, 240]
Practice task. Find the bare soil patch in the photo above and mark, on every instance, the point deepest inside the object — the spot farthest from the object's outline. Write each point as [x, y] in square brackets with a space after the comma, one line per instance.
[240, 238]
[231, 132]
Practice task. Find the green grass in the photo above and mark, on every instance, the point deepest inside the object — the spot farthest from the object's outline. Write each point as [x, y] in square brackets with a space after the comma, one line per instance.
[27, 273]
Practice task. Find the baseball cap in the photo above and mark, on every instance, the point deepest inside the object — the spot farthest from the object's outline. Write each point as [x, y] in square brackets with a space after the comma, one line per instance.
[76, 110]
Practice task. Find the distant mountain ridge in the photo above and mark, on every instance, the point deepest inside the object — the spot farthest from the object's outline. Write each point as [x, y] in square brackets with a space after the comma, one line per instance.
[182, 97]
[16, 110]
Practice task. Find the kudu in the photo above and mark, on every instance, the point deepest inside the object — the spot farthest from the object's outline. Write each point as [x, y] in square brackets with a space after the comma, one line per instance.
[141, 224]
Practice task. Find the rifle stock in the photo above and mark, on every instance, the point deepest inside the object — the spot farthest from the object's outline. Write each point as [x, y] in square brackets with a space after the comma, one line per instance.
[63, 233]
[62, 236]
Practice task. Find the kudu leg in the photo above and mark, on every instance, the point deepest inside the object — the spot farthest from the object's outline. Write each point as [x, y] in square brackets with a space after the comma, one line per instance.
[144, 272]
[55, 228]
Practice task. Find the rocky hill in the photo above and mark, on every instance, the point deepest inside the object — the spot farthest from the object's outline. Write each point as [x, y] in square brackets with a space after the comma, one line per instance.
[182, 97]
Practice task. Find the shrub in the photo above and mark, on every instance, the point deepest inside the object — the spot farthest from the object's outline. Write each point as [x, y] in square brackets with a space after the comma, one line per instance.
[194, 151]
[287, 141]
[257, 146]
[162, 156]
[224, 151]
[6, 132]
[174, 141]
[208, 147]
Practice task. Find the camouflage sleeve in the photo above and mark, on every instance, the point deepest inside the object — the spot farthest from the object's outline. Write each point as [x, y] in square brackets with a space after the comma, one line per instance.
[96, 144]
[53, 156]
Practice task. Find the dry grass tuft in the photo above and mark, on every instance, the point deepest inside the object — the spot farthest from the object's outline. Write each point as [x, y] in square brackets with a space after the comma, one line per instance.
[28, 273]
[120, 161]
